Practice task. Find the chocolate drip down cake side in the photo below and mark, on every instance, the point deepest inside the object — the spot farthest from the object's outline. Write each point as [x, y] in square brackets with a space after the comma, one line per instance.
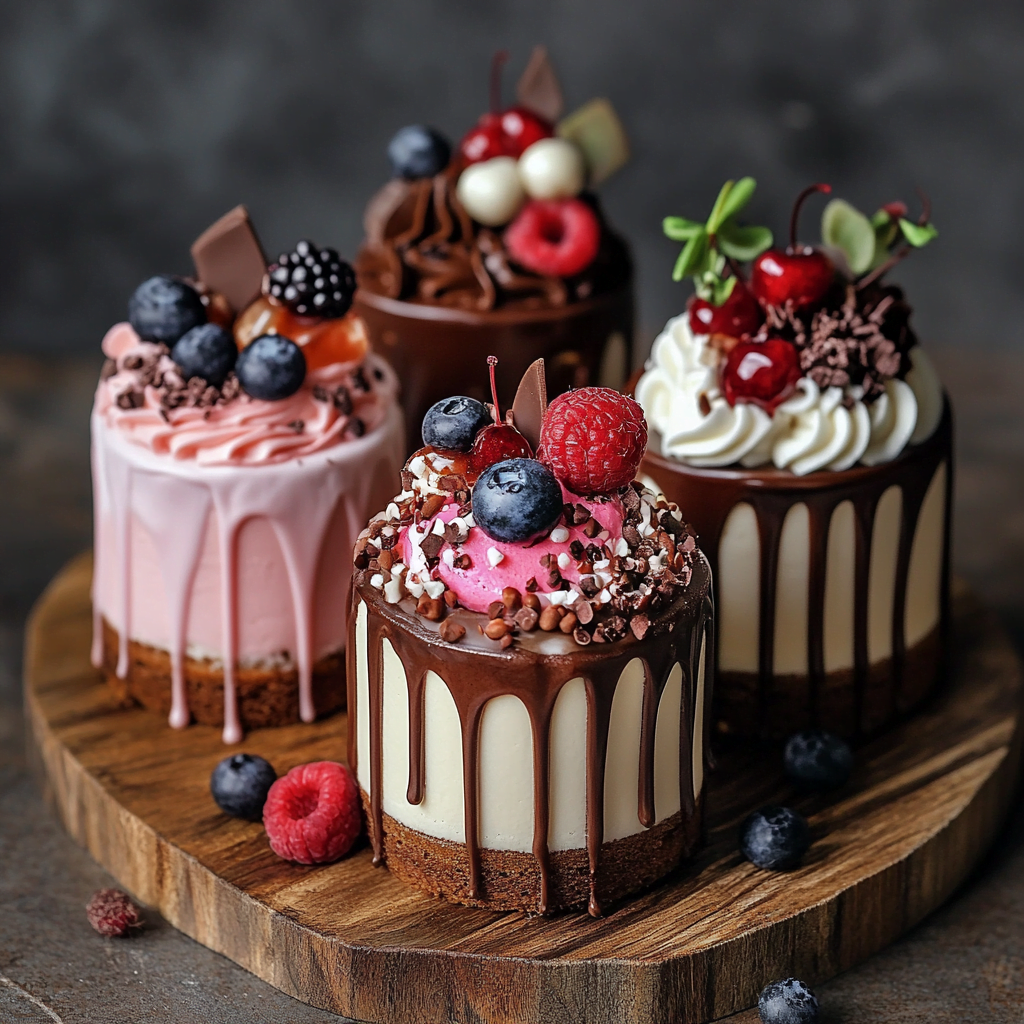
[529, 647]
[805, 432]
[500, 247]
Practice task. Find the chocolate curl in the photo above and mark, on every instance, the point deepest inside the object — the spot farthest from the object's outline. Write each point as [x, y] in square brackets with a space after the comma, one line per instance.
[229, 259]
[530, 403]
[538, 89]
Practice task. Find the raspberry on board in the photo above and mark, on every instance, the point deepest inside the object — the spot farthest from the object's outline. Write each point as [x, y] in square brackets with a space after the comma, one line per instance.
[112, 913]
[593, 439]
[312, 814]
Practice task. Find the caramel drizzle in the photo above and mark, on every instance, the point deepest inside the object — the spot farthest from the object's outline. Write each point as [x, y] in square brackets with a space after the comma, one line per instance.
[708, 496]
[536, 680]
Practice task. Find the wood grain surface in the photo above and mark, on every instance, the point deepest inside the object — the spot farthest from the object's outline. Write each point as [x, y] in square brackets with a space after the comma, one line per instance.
[924, 803]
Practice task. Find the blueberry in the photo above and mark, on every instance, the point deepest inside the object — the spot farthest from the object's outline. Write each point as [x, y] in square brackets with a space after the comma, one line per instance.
[164, 308]
[240, 784]
[787, 1002]
[207, 351]
[453, 423]
[516, 499]
[271, 367]
[417, 151]
[818, 760]
[774, 837]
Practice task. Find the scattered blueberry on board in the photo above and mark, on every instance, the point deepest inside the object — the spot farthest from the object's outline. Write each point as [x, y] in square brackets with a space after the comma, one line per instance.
[516, 500]
[240, 784]
[206, 351]
[163, 308]
[787, 1002]
[418, 151]
[454, 422]
[818, 760]
[272, 367]
[775, 838]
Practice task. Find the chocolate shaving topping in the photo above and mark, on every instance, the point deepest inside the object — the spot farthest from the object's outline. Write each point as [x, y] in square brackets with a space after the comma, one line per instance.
[859, 339]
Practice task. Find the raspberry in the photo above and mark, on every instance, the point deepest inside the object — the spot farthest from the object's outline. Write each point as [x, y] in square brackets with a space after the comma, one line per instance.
[312, 814]
[558, 237]
[593, 439]
[112, 913]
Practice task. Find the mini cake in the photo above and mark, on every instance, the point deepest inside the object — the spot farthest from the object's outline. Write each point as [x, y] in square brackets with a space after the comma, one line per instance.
[235, 458]
[803, 431]
[528, 651]
[502, 248]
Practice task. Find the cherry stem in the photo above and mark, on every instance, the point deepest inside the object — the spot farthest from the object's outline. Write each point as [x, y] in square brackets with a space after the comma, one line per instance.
[498, 62]
[809, 191]
[882, 269]
[492, 362]
[926, 207]
[737, 270]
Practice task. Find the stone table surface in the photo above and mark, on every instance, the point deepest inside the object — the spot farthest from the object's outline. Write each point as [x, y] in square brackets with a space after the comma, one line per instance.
[965, 962]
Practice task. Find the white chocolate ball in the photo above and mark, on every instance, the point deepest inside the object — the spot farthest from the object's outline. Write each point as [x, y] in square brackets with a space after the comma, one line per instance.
[553, 169]
[491, 191]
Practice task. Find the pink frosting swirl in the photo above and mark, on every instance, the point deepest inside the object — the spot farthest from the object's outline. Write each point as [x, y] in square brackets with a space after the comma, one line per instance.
[240, 430]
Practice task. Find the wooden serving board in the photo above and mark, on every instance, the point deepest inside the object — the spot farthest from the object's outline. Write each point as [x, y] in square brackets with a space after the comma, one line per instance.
[924, 803]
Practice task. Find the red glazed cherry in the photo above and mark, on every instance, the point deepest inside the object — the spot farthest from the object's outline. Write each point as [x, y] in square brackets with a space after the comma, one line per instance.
[761, 372]
[502, 132]
[497, 441]
[801, 275]
[559, 237]
[739, 316]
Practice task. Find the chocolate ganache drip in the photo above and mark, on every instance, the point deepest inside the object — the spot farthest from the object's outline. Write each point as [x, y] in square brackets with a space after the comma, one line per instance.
[422, 246]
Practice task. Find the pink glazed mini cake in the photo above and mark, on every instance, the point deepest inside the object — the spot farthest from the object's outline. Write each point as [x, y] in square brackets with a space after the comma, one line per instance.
[242, 434]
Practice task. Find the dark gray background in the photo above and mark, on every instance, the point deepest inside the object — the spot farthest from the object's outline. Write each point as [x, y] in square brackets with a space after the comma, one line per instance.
[127, 127]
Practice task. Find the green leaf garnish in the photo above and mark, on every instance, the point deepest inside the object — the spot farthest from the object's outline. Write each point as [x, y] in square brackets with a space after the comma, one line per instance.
[738, 197]
[691, 259]
[847, 229]
[717, 216]
[917, 234]
[679, 229]
[743, 243]
[880, 218]
[718, 290]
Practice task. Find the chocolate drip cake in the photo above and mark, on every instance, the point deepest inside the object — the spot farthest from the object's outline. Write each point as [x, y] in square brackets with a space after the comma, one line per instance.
[500, 247]
[804, 432]
[241, 432]
[530, 657]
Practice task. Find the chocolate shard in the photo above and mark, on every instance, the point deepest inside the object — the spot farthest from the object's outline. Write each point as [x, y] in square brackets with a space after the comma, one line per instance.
[229, 259]
[538, 89]
[531, 403]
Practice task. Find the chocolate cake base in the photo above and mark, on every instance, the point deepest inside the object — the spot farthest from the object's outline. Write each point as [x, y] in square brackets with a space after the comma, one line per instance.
[510, 880]
[838, 704]
[267, 696]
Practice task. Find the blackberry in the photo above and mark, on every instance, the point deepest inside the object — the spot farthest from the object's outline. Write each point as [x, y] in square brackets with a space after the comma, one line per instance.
[312, 281]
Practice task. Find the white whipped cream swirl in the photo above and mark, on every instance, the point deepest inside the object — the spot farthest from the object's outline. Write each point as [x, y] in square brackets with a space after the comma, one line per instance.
[815, 428]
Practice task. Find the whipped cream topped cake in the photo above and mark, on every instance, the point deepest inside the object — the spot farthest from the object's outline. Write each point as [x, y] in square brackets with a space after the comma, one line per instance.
[802, 429]
[500, 245]
[529, 648]
[241, 433]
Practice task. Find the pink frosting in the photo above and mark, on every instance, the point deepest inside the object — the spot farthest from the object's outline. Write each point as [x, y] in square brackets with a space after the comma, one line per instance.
[481, 584]
[244, 430]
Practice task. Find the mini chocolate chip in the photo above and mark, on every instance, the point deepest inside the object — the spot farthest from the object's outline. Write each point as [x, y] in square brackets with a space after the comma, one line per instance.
[452, 632]
[431, 545]
[495, 610]
[592, 528]
[343, 400]
[357, 426]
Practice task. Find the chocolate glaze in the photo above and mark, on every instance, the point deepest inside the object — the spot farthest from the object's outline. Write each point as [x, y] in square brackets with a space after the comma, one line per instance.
[475, 672]
[439, 293]
[707, 496]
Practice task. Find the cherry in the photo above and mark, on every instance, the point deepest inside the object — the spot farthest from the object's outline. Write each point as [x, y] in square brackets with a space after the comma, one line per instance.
[738, 317]
[502, 132]
[497, 441]
[761, 372]
[801, 274]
